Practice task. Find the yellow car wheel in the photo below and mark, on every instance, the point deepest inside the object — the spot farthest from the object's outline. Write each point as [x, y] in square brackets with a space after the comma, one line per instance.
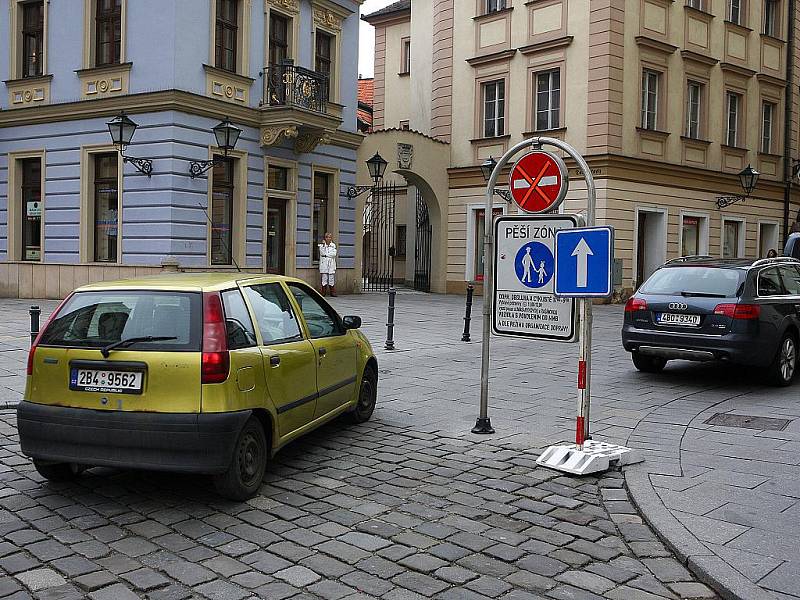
[246, 472]
[367, 397]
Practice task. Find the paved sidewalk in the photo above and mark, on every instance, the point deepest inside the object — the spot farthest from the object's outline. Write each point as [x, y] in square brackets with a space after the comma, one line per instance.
[699, 487]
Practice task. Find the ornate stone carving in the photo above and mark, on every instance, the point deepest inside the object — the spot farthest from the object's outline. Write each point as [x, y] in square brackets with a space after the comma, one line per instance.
[272, 136]
[327, 18]
[290, 6]
[307, 142]
[405, 156]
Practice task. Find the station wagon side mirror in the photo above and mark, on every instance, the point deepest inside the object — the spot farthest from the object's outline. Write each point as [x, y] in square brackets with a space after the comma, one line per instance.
[352, 322]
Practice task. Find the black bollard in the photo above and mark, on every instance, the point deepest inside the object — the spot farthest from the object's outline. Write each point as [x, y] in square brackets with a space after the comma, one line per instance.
[390, 323]
[468, 315]
[35, 312]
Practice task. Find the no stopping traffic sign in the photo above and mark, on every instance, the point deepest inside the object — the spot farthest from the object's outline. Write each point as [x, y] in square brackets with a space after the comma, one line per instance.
[539, 182]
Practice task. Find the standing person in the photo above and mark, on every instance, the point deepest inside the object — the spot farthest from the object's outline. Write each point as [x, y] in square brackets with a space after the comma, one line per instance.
[327, 264]
[772, 253]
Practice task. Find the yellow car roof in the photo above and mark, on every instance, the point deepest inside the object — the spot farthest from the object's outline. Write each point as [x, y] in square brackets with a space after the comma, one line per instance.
[183, 282]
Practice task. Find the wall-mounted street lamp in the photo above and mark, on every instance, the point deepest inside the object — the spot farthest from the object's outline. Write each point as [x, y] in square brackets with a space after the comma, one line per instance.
[122, 129]
[487, 168]
[748, 178]
[376, 167]
[227, 136]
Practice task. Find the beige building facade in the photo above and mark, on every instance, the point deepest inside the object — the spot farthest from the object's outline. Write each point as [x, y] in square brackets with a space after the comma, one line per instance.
[668, 100]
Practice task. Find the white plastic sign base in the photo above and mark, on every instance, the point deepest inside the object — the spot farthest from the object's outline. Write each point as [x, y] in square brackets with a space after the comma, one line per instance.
[594, 458]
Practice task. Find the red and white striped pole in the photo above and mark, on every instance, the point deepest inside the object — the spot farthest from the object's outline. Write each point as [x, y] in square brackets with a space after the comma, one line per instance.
[584, 371]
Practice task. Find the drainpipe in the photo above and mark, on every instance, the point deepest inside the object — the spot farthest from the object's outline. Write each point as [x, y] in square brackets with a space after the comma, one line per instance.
[787, 121]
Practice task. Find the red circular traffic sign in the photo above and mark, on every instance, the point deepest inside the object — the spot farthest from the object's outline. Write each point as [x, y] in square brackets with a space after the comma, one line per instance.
[539, 181]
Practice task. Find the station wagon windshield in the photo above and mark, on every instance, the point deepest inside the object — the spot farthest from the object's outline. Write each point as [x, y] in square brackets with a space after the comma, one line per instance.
[99, 319]
[709, 282]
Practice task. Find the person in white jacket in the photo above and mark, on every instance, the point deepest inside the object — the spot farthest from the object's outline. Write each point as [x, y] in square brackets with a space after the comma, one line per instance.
[327, 264]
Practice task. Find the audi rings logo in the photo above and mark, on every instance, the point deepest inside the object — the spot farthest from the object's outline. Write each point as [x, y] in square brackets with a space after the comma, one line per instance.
[678, 306]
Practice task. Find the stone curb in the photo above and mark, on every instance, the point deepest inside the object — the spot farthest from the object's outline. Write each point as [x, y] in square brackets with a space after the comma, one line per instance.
[707, 566]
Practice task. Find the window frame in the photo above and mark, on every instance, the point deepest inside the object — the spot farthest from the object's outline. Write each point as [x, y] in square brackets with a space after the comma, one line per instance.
[94, 202]
[405, 56]
[738, 133]
[780, 278]
[237, 292]
[551, 123]
[702, 231]
[217, 186]
[221, 26]
[646, 95]
[15, 213]
[738, 9]
[38, 35]
[331, 212]
[494, 6]
[107, 20]
[741, 233]
[289, 196]
[90, 36]
[500, 116]
[327, 309]
[700, 104]
[696, 4]
[771, 22]
[768, 133]
[16, 41]
[286, 44]
[291, 304]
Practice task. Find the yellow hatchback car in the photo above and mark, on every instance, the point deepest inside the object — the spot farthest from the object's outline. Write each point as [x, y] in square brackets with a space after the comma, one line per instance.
[199, 373]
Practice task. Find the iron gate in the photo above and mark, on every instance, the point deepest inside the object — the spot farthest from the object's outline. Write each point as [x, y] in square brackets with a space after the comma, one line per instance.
[379, 242]
[422, 250]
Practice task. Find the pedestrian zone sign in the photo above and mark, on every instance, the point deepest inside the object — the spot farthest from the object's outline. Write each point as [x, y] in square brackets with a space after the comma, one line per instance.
[524, 303]
[584, 262]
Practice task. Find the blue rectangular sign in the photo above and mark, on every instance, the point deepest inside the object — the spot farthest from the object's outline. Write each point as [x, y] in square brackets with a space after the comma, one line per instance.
[584, 262]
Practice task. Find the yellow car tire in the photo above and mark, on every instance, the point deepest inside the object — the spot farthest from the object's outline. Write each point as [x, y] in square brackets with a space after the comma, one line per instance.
[367, 397]
[246, 472]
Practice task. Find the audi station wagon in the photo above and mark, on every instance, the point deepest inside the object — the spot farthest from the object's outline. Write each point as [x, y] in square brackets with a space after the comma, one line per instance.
[196, 373]
[732, 310]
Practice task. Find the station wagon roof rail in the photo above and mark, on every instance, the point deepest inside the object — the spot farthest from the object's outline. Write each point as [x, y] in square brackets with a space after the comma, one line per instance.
[778, 259]
[688, 258]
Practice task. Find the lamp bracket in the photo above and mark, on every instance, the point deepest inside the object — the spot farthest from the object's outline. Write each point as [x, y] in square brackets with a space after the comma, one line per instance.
[354, 191]
[724, 201]
[199, 167]
[143, 165]
[504, 194]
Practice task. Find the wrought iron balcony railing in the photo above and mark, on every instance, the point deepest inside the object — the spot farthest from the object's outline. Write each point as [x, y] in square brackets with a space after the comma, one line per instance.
[290, 85]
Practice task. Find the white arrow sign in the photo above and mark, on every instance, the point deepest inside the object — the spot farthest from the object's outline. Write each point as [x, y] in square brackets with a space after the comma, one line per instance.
[583, 252]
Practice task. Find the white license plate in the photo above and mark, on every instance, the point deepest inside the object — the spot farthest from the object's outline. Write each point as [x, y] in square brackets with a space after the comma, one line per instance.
[677, 319]
[115, 382]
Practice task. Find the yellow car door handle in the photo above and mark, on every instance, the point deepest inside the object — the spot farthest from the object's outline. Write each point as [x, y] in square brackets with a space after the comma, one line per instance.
[322, 352]
[274, 361]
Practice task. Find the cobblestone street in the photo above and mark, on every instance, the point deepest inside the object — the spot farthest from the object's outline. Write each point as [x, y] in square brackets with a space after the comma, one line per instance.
[411, 505]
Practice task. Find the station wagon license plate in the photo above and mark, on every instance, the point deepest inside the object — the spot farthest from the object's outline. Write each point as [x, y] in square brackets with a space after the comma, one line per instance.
[115, 382]
[678, 319]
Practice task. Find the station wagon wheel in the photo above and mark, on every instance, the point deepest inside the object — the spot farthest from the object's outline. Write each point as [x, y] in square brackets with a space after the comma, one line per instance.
[783, 368]
[57, 471]
[243, 478]
[367, 397]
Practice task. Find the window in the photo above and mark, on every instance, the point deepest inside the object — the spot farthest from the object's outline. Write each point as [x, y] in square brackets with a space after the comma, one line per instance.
[405, 57]
[767, 126]
[494, 108]
[401, 238]
[768, 238]
[735, 11]
[495, 5]
[273, 312]
[405, 125]
[323, 59]
[650, 85]
[237, 321]
[108, 32]
[106, 207]
[690, 238]
[698, 4]
[733, 108]
[694, 93]
[278, 178]
[278, 38]
[769, 283]
[319, 226]
[32, 39]
[31, 208]
[791, 279]
[548, 100]
[320, 320]
[226, 35]
[731, 238]
[771, 12]
[222, 198]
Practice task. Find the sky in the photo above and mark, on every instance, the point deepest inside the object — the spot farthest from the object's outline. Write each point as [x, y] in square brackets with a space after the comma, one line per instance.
[366, 50]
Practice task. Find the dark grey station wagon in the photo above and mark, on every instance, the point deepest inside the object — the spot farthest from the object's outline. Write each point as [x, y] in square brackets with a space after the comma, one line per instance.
[735, 310]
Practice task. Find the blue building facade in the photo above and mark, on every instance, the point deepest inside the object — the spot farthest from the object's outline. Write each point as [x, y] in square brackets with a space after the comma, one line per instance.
[73, 210]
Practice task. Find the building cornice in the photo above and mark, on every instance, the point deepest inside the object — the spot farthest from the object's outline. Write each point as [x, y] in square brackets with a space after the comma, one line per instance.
[491, 58]
[561, 42]
[657, 45]
[168, 100]
[738, 70]
[699, 58]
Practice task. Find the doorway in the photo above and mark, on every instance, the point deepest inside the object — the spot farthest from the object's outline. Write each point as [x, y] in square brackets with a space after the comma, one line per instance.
[276, 236]
[651, 247]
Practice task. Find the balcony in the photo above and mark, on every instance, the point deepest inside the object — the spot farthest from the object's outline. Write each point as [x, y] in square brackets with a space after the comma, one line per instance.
[295, 105]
